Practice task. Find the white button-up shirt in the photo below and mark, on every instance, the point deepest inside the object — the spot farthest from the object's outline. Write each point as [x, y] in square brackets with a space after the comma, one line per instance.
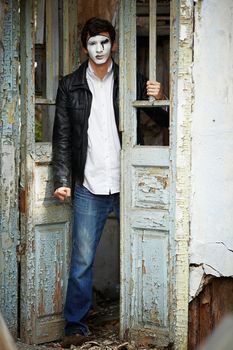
[102, 169]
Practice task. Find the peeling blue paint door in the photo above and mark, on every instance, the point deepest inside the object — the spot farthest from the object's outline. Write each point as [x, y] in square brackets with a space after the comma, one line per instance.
[9, 162]
[45, 223]
[146, 259]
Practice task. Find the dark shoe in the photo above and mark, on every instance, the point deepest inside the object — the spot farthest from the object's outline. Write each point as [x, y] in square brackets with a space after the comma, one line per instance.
[74, 339]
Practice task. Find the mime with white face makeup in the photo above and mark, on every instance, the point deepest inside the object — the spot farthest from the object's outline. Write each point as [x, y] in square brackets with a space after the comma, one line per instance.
[86, 160]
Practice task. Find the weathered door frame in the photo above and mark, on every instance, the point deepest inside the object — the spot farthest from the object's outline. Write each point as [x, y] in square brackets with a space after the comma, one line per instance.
[181, 109]
[9, 162]
[180, 147]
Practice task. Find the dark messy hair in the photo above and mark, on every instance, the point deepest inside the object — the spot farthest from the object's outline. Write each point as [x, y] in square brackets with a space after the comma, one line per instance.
[95, 26]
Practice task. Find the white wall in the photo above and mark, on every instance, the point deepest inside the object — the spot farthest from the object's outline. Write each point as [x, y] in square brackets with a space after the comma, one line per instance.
[212, 143]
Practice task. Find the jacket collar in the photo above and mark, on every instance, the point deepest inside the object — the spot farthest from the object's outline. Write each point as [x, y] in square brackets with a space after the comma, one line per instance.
[79, 76]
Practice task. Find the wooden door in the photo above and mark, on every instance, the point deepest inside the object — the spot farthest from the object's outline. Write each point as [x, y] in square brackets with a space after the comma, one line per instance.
[155, 191]
[45, 223]
[147, 245]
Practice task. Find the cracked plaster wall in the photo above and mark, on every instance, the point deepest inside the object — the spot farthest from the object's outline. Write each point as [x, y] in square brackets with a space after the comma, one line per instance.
[211, 249]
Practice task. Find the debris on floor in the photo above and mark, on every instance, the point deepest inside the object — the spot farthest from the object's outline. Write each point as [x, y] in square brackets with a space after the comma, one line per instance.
[103, 322]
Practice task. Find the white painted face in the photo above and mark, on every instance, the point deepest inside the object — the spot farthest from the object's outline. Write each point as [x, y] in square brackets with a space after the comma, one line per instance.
[99, 48]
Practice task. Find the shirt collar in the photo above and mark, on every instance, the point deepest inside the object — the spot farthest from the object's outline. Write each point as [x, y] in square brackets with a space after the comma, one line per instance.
[91, 72]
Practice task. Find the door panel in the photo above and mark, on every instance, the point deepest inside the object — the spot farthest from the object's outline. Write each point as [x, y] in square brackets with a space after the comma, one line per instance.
[146, 270]
[51, 250]
[146, 245]
[46, 261]
[149, 248]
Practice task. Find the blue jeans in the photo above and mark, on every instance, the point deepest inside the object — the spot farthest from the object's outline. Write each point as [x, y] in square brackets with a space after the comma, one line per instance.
[90, 214]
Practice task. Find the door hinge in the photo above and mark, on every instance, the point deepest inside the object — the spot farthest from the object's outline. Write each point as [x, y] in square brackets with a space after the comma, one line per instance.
[20, 251]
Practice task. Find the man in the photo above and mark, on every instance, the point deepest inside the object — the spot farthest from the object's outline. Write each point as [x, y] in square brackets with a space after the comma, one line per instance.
[86, 158]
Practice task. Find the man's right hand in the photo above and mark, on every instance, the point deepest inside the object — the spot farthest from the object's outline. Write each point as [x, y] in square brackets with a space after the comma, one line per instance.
[62, 193]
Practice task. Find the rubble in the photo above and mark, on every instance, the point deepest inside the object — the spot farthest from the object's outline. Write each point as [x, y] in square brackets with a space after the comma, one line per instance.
[103, 322]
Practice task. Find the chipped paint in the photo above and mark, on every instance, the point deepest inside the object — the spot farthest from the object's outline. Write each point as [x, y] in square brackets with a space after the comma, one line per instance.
[151, 187]
[181, 104]
[211, 250]
[9, 160]
[45, 223]
[155, 231]
[11, 111]
[211, 135]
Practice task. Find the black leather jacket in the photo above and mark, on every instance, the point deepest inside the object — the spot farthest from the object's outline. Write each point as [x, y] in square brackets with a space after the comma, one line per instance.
[73, 106]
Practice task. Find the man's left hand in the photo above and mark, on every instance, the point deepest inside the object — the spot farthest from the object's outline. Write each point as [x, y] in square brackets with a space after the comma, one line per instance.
[154, 89]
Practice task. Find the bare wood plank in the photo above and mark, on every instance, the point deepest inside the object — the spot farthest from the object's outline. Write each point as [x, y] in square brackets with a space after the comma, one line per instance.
[224, 305]
[208, 310]
[205, 314]
[194, 317]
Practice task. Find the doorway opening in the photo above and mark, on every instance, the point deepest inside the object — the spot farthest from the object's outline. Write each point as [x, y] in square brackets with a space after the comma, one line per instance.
[58, 52]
